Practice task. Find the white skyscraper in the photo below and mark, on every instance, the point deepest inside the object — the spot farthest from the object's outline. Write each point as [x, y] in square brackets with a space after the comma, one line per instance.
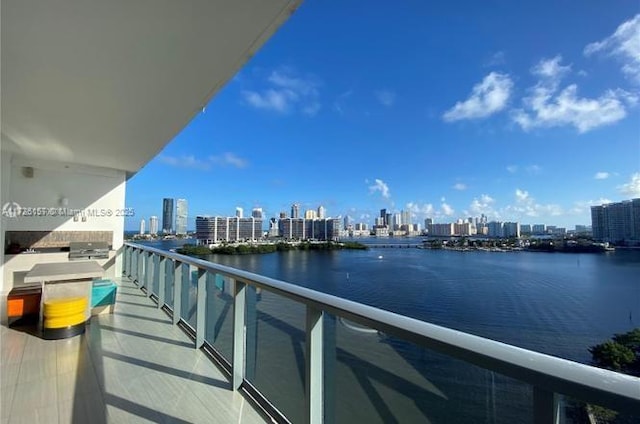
[181, 216]
[321, 212]
[153, 225]
[141, 226]
[239, 212]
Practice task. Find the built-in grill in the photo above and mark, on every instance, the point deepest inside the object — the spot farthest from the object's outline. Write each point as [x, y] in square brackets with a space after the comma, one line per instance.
[80, 250]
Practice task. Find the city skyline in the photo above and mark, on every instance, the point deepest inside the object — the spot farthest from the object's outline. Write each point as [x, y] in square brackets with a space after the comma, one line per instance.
[419, 120]
[393, 219]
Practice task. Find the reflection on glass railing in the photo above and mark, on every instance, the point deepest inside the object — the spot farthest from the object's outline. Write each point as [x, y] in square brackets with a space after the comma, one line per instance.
[219, 314]
[169, 283]
[379, 378]
[189, 296]
[577, 411]
[276, 350]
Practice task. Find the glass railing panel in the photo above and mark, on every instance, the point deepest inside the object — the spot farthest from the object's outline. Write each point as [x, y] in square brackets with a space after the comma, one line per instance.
[380, 379]
[219, 314]
[155, 269]
[169, 282]
[189, 296]
[275, 351]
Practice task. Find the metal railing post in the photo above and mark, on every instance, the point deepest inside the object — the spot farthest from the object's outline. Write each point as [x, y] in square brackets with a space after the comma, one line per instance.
[239, 333]
[314, 366]
[201, 307]
[545, 406]
[177, 290]
[162, 277]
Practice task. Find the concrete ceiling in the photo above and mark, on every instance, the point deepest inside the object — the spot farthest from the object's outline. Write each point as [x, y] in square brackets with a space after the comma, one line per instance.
[110, 83]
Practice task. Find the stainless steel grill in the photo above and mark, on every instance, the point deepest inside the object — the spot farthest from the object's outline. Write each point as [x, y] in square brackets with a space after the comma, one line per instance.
[88, 250]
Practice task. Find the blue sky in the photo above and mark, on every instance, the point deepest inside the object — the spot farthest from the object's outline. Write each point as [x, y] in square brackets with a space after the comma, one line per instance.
[526, 112]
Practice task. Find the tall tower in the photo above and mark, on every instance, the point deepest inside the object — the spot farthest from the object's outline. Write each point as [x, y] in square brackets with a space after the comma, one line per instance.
[141, 226]
[239, 212]
[153, 225]
[167, 216]
[257, 213]
[321, 212]
[181, 216]
[295, 211]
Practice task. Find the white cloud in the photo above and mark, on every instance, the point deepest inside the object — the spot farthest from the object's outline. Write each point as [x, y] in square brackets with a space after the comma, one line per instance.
[527, 206]
[631, 188]
[190, 161]
[447, 209]
[487, 97]
[287, 92]
[229, 158]
[601, 175]
[522, 195]
[460, 186]
[185, 161]
[386, 97]
[624, 43]
[584, 207]
[420, 212]
[496, 59]
[512, 169]
[534, 169]
[483, 205]
[278, 101]
[550, 68]
[380, 186]
[547, 106]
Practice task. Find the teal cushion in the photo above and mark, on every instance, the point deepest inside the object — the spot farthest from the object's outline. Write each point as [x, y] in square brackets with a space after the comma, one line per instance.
[103, 293]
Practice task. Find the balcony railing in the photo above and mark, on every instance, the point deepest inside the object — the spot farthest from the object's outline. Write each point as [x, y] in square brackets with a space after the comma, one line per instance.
[217, 305]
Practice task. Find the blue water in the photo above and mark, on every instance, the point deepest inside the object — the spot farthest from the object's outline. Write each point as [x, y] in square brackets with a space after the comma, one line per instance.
[559, 304]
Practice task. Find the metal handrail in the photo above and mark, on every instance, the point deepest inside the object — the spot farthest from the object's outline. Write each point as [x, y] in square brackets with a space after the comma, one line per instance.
[551, 374]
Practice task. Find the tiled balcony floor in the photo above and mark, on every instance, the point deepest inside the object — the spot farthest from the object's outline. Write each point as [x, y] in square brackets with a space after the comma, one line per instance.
[131, 366]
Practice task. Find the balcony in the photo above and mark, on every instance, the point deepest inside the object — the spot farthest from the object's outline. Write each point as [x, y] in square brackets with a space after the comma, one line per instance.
[131, 366]
[296, 354]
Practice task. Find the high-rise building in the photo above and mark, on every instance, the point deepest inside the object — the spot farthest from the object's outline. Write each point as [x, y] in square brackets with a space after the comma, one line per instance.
[167, 216]
[141, 226]
[495, 229]
[538, 229]
[153, 225]
[212, 229]
[257, 213]
[310, 214]
[406, 218]
[617, 222]
[181, 216]
[282, 215]
[348, 222]
[239, 212]
[441, 229]
[511, 229]
[427, 223]
[321, 212]
[295, 211]
[383, 215]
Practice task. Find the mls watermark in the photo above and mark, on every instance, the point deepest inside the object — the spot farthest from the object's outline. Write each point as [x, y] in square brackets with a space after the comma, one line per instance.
[14, 210]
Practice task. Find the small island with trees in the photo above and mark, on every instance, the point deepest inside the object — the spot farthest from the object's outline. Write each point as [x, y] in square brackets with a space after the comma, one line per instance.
[249, 249]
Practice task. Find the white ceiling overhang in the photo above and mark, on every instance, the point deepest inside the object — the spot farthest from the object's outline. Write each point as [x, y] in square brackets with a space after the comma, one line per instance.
[110, 83]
